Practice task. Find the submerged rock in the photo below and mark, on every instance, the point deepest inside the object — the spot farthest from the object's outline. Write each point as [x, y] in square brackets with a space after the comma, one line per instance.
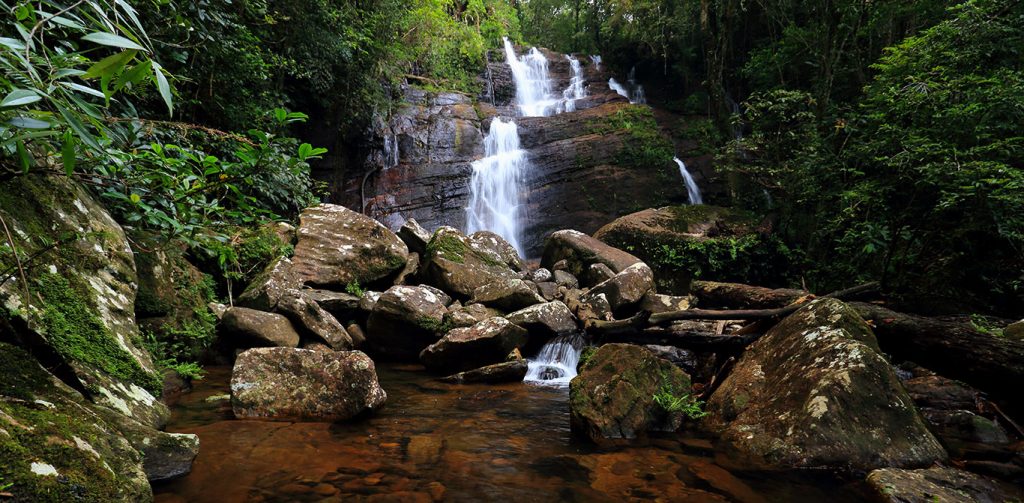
[580, 251]
[482, 344]
[405, 320]
[614, 395]
[252, 328]
[815, 391]
[338, 246]
[454, 265]
[939, 483]
[510, 371]
[291, 384]
[507, 295]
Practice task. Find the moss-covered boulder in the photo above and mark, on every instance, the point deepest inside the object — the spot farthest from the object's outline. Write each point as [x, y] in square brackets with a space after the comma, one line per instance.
[627, 288]
[508, 294]
[623, 391]
[454, 264]
[289, 384]
[815, 391]
[56, 446]
[938, 484]
[485, 343]
[404, 320]
[77, 299]
[580, 251]
[338, 246]
[682, 243]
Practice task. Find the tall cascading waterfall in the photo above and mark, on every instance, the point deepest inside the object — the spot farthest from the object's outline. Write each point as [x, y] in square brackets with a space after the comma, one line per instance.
[496, 185]
[691, 185]
[533, 87]
[555, 365]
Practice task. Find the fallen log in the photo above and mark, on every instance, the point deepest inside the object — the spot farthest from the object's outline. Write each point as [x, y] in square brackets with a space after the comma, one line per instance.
[685, 339]
[753, 314]
[954, 350]
[740, 296]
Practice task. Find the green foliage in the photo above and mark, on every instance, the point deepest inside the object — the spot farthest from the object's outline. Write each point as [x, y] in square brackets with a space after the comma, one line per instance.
[986, 325]
[75, 331]
[61, 72]
[674, 401]
[353, 288]
[644, 145]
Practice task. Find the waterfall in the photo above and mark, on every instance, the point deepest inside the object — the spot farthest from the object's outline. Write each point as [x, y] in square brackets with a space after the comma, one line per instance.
[533, 88]
[390, 151]
[555, 365]
[615, 86]
[635, 93]
[496, 185]
[596, 59]
[691, 186]
[638, 95]
[575, 90]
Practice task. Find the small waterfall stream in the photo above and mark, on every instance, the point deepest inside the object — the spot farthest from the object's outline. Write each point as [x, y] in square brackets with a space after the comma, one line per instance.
[496, 185]
[691, 185]
[555, 365]
[576, 90]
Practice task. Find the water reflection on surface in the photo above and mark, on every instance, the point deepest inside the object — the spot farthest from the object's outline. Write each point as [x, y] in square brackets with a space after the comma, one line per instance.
[436, 441]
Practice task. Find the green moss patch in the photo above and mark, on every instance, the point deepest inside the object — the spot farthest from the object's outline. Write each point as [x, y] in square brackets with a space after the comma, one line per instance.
[75, 331]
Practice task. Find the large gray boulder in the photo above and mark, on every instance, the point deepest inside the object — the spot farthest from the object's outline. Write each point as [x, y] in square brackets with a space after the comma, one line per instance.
[338, 246]
[78, 305]
[314, 320]
[580, 250]
[404, 320]
[461, 349]
[251, 328]
[614, 395]
[453, 264]
[546, 320]
[815, 391]
[300, 384]
[938, 484]
[495, 246]
[626, 288]
[507, 295]
[278, 289]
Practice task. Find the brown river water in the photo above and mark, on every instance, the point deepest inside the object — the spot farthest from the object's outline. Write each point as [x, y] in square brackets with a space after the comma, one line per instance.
[444, 442]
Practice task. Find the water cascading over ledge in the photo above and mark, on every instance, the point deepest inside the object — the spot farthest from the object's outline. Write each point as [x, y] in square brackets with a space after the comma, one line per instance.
[495, 186]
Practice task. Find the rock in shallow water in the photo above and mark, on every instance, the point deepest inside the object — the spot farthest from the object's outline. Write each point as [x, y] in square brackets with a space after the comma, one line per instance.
[290, 384]
[937, 484]
[512, 371]
[405, 319]
[613, 397]
[482, 344]
[816, 392]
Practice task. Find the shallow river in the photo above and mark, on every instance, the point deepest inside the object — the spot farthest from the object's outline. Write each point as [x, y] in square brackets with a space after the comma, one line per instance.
[435, 441]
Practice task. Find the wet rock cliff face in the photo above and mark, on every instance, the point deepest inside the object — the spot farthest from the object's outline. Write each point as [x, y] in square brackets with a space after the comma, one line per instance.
[587, 166]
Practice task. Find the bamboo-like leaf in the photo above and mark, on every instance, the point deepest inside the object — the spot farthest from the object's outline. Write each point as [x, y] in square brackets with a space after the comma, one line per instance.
[67, 153]
[80, 130]
[28, 123]
[133, 76]
[163, 87]
[110, 65]
[109, 39]
[19, 97]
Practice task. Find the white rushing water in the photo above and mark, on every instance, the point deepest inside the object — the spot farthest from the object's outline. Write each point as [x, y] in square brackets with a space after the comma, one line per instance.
[691, 185]
[576, 90]
[496, 185]
[533, 87]
[555, 365]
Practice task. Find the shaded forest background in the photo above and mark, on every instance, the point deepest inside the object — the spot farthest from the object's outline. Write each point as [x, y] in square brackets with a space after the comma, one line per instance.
[884, 138]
